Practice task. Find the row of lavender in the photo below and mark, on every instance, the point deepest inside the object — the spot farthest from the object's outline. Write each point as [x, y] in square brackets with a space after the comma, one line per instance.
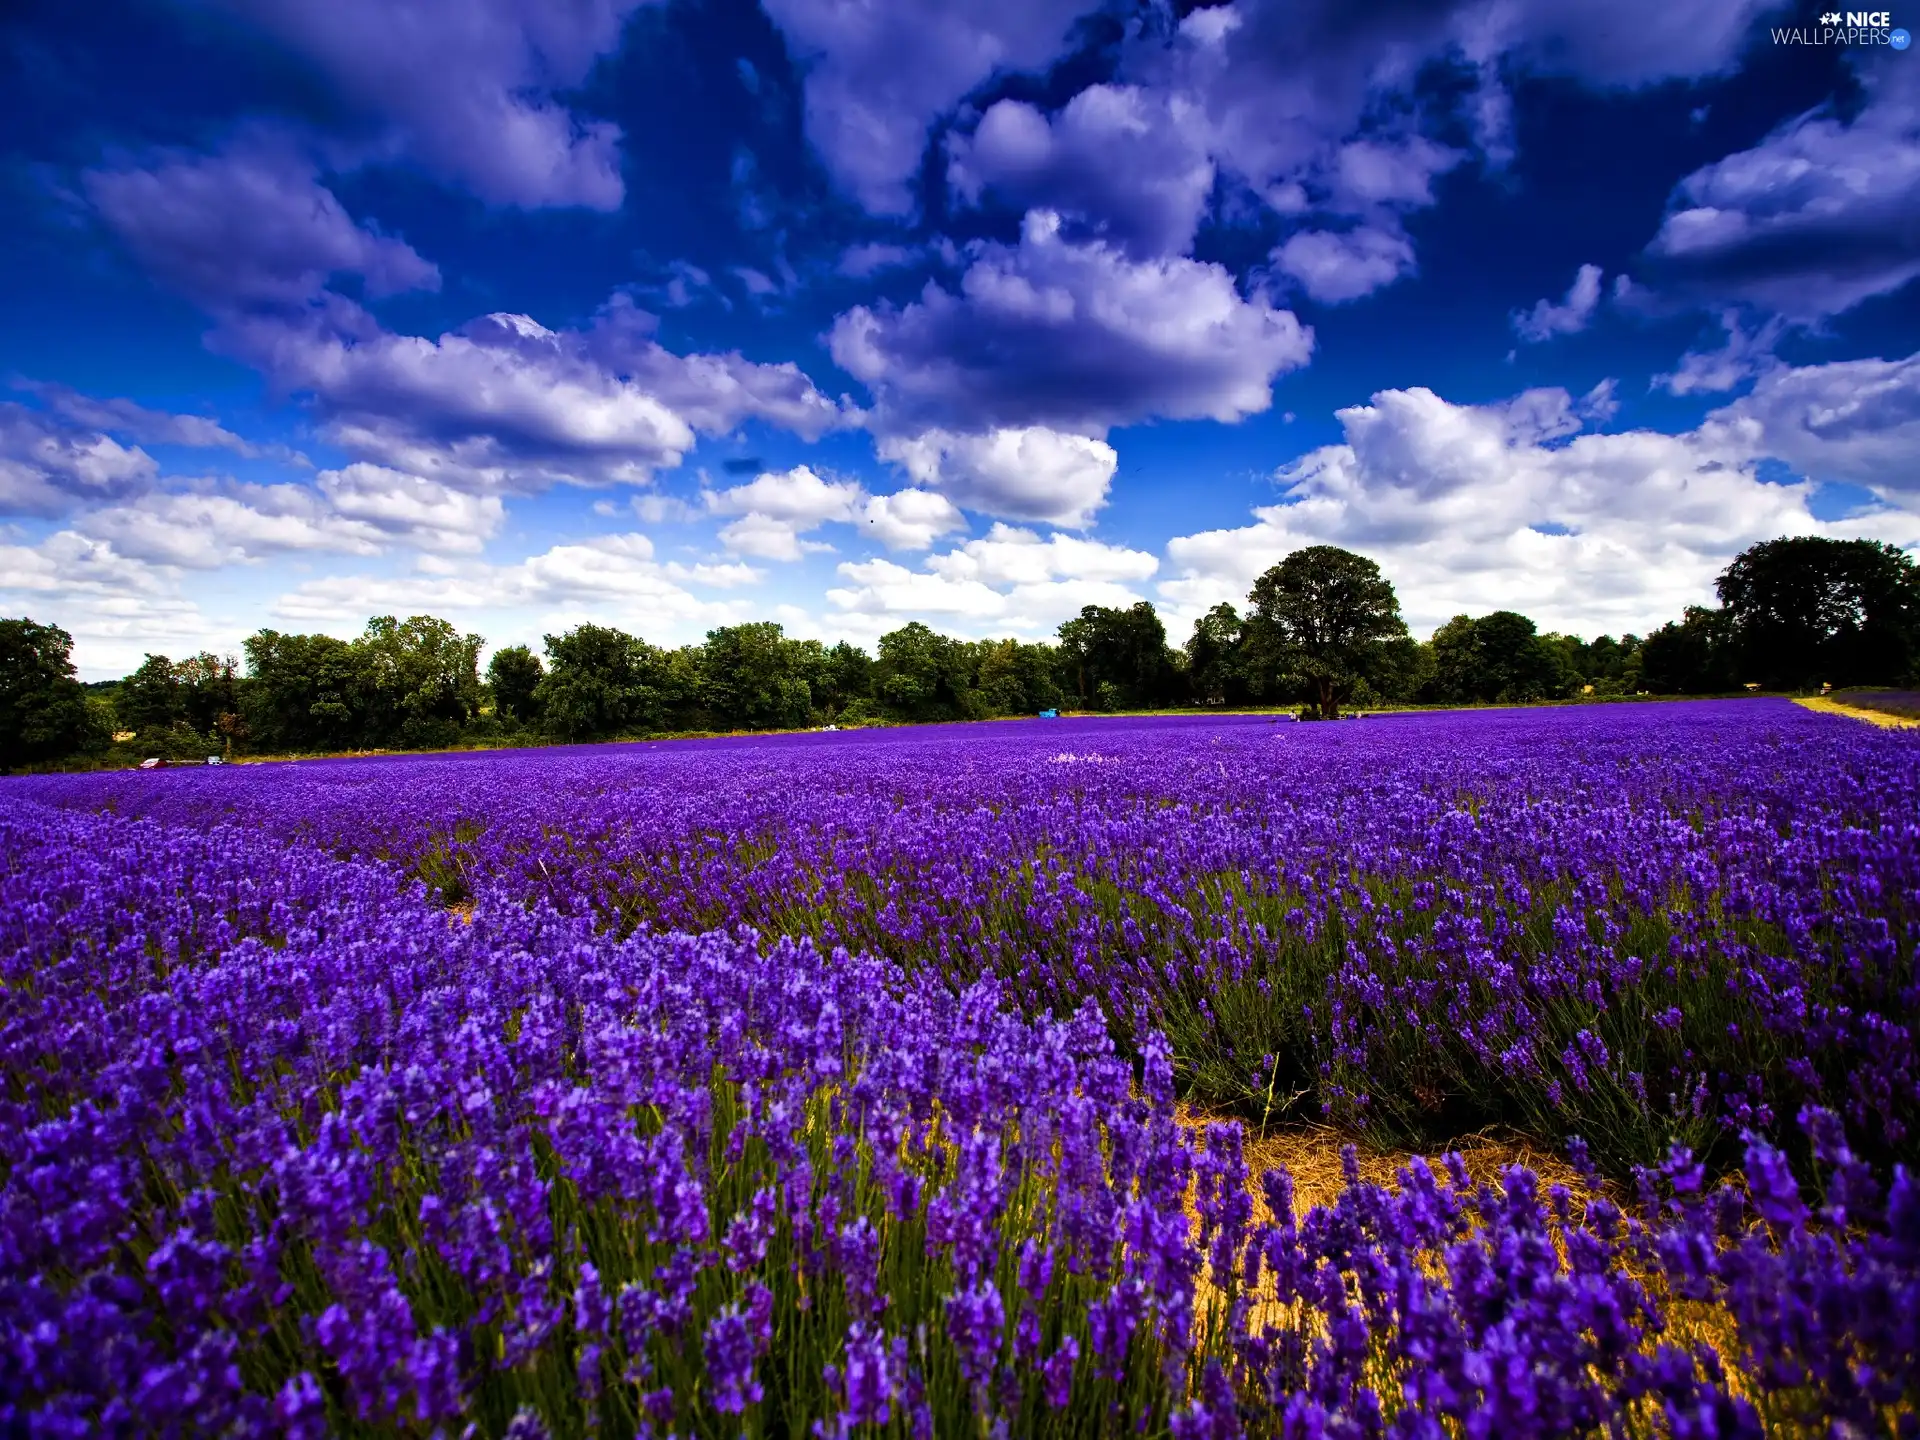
[285, 1148]
[1632, 924]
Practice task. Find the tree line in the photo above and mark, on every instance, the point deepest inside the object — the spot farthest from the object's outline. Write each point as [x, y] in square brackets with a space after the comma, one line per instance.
[1321, 629]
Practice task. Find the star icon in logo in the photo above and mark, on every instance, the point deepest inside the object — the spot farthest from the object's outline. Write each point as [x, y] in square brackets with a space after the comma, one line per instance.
[1832, 17]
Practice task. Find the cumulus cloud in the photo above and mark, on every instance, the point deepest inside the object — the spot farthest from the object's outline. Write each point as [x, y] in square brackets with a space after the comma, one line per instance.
[116, 608]
[249, 226]
[137, 422]
[207, 529]
[1009, 580]
[1473, 508]
[359, 510]
[1335, 266]
[1567, 317]
[48, 468]
[778, 507]
[1821, 215]
[1131, 162]
[504, 403]
[1075, 336]
[911, 519]
[468, 87]
[878, 75]
[1746, 353]
[609, 579]
[1022, 472]
[411, 509]
[1855, 421]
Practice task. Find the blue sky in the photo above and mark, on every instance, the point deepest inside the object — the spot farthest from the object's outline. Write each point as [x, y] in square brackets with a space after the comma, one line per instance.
[668, 315]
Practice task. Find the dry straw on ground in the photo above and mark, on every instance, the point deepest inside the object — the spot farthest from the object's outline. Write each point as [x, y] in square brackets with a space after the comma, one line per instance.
[1872, 717]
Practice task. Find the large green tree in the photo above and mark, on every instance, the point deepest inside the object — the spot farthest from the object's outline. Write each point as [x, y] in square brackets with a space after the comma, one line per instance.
[1497, 657]
[421, 680]
[1216, 662]
[924, 675]
[1806, 611]
[603, 682]
[513, 674]
[1118, 659]
[149, 698]
[1689, 656]
[305, 692]
[44, 714]
[1324, 620]
[752, 677]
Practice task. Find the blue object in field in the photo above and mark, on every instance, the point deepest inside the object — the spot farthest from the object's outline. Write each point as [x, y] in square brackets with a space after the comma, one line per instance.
[1049, 714]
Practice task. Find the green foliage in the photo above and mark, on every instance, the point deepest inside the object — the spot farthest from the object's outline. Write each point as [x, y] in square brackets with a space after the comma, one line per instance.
[1497, 658]
[514, 674]
[1322, 620]
[603, 682]
[753, 678]
[1688, 657]
[1807, 611]
[45, 716]
[1014, 678]
[421, 681]
[1216, 659]
[1115, 659]
[923, 675]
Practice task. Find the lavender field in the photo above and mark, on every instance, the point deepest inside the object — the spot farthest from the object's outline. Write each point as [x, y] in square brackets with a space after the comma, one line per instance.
[842, 1084]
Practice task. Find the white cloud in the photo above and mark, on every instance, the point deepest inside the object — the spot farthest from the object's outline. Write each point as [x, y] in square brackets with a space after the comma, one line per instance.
[1010, 580]
[1021, 472]
[611, 579]
[1454, 502]
[778, 507]
[878, 75]
[47, 468]
[504, 403]
[116, 608]
[1568, 317]
[1336, 266]
[411, 508]
[1818, 217]
[1071, 336]
[249, 226]
[1008, 555]
[911, 519]
[469, 86]
[1129, 161]
[1855, 421]
[213, 527]
[1746, 353]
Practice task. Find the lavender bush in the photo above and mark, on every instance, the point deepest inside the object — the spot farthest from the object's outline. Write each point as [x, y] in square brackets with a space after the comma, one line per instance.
[826, 1085]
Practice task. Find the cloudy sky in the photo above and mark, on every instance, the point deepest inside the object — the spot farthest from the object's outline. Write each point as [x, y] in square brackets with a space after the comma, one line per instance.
[524, 312]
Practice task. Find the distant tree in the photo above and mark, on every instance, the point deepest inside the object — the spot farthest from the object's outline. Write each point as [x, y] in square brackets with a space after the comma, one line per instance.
[149, 698]
[753, 678]
[602, 682]
[1688, 657]
[305, 692]
[1807, 611]
[421, 681]
[1216, 673]
[843, 677]
[1323, 620]
[1118, 659]
[923, 675]
[1012, 677]
[209, 688]
[1498, 657]
[513, 674]
[44, 711]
